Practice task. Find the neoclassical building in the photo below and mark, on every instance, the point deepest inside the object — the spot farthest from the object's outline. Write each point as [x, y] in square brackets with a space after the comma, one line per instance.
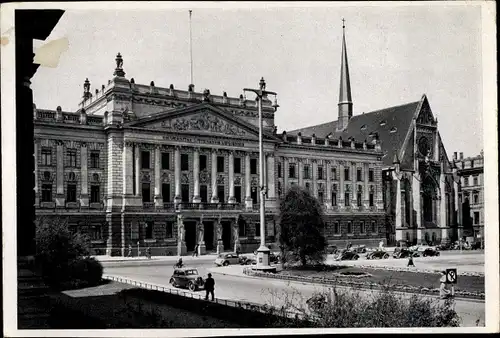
[420, 184]
[141, 165]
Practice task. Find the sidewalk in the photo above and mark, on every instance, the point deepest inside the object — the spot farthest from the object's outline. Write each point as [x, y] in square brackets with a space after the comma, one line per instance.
[173, 259]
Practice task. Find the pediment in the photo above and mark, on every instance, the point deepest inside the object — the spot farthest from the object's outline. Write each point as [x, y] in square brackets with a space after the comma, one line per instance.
[201, 120]
[425, 115]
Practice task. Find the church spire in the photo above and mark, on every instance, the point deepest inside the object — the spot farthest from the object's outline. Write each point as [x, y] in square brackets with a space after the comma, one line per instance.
[345, 100]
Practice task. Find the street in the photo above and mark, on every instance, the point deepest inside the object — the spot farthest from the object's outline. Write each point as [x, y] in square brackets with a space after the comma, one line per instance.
[256, 290]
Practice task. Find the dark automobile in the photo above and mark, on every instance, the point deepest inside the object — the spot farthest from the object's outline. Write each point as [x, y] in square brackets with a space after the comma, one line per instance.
[404, 253]
[187, 278]
[358, 249]
[378, 254]
[248, 260]
[331, 249]
[347, 256]
[430, 252]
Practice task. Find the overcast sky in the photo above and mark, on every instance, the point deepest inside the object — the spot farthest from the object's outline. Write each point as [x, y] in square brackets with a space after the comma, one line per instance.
[396, 54]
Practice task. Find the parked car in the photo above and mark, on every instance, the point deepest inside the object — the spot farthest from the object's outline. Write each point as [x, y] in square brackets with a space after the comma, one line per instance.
[331, 249]
[225, 259]
[377, 255]
[430, 252]
[247, 259]
[187, 278]
[404, 253]
[347, 256]
[358, 249]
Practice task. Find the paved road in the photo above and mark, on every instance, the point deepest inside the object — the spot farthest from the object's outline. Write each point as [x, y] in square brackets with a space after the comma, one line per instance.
[257, 290]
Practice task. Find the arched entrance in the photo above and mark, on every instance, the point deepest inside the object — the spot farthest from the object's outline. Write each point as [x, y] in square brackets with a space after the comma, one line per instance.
[429, 198]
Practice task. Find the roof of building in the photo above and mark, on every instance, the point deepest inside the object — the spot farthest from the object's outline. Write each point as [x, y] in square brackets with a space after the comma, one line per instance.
[389, 125]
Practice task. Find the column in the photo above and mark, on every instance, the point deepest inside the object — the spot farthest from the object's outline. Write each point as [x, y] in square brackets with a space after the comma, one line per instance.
[60, 201]
[285, 175]
[177, 175]
[84, 189]
[300, 169]
[128, 175]
[215, 198]
[341, 202]
[138, 190]
[196, 176]
[248, 196]
[397, 218]
[158, 198]
[231, 178]
[315, 177]
[35, 159]
[417, 202]
[443, 207]
[328, 199]
[366, 188]
[354, 180]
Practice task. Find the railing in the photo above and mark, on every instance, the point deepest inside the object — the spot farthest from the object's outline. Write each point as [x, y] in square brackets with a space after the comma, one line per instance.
[71, 117]
[94, 120]
[148, 205]
[71, 207]
[202, 206]
[46, 114]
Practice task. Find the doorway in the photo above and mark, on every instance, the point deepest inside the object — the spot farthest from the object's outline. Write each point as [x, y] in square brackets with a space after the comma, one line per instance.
[226, 235]
[190, 227]
[209, 235]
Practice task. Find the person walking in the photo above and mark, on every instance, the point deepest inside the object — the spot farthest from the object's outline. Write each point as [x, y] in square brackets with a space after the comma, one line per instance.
[209, 286]
[410, 260]
[195, 252]
[148, 252]
[129, 250]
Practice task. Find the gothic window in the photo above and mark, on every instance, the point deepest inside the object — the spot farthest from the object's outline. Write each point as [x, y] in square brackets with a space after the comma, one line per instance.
[94, 159]
[370, 175]
[307, 175]
[336, 228]
[253, 166]
[165, 161]
[346, 174]
[95, 194]
[359, 175]
[46, 156]
[291, 170]
[423, 146]
[320, 172]
[149, 229]
[184, 162]
[71, 192]
[220, 164]
[237, 165]
[145, 159]
[72, 158]
[46, 192]
[334, 173]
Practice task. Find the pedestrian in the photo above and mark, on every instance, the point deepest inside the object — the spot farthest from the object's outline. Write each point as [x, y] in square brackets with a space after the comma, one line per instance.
[209, 286]
[148, 252]
[410, 260]
[195, 252]
[129, 250]
[443, 291]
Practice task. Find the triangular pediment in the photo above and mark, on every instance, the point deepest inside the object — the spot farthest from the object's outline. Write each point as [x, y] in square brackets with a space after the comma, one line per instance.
[200, 119]
[425, 115]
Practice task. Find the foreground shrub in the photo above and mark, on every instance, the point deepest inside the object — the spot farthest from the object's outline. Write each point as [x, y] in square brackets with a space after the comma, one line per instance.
[85, 272]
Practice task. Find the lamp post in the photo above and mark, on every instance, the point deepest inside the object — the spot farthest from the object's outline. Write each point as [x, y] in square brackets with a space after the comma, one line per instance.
[262, 251]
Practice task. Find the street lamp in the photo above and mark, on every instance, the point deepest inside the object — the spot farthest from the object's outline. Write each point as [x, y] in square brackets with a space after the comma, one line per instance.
[262, 251]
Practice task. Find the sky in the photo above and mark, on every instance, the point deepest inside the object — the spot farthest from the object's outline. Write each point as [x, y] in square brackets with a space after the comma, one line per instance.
[396, 54]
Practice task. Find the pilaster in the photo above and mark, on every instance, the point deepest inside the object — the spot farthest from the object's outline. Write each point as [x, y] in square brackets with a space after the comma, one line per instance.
[315, 178]
[248, 196]
[84, 189]
[215, 198]
[60, 200]
[231, 178]
[157, 161]
[341, 202]
[177, 175]
[196, 176]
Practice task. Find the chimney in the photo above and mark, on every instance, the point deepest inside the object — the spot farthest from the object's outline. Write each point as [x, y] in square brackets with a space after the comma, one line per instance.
[461, 155]
[313, 139]
[299, 138]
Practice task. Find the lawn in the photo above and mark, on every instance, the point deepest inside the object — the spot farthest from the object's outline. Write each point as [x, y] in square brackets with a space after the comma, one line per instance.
[429, 280]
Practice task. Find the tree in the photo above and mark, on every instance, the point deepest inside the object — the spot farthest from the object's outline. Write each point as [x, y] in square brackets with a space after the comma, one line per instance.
[302, 225]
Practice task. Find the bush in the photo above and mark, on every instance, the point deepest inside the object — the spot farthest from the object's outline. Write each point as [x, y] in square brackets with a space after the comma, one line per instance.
[85, 272]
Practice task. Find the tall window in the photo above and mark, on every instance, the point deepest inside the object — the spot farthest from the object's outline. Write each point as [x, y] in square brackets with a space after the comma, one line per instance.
[307, 175]
[169, 230]
[334, 198]
[346, 174]
[95, 194]
[146, 192]
[257, 229]
[476, 217]
[165, 192]
[371, 198]
[185, 193]
[359, 175]
[374, 227]
[336, 228]
[362, 227]
[346, 199]
[237, 165]
[204, 193]
[371, 175]
[334, 174]
[279, 169]
[242, 231]
[320, 197]
[94, 159]
[358, 199]
[184, 162]
[220, 164]
[149, 229]
[475, 180]
[165, 161]
[237, 193]
[466, 181]
[71, 157]
[145, 159]
[320, 172]
[291, 170]
[349, 227]
[475, 198]
[253, 166]
[220, 193]
[203, 162]
[71, 192]
[46, 156]
[46, 192]
[308, 186]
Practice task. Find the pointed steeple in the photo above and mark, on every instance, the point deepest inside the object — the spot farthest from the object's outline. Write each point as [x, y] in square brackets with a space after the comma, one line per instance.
[345, 100]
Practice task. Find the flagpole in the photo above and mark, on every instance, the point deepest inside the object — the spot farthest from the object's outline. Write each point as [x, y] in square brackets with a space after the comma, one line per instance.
[191, 45]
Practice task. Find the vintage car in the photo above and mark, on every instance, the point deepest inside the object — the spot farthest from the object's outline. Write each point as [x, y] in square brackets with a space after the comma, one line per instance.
[187, 278]
[224, 259]
[331, 249]
[346, 256]
[358, 249]
[247, 259]
[378, 254]
[404, 253]
[430, 252]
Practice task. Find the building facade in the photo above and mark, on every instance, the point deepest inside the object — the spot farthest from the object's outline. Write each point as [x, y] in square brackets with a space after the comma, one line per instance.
[141, 165]
[420, 184]
[470, 172]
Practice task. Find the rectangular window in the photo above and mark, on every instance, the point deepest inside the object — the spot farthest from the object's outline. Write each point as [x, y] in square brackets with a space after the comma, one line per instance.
[279, 169]
[254, 195]
[165, 192]
[145, 159]
[476, 198]
[308, 186]
[475, 180]
[94, 159]
[349, 227]
[257, 229]
[371, 199]
[359, 175]
[237, 165]
[237, 193]
[253, 166]
[334, 199]
[306, 172]
[149, 229]
[184, 162]
[336, 228]
[71, 193]
[242, 231]
[72, 158]
[476, 217]
[320, 172]
[346, 174]
[95, 194]
[320, 197]
[46, 156]
[374, 227]
[185, 193]
[169, 230]
[203, 162]
[46, 192]
[165, 161]
[362, 227]
[204, 193]
[291, 170]
[334, 174]
[371, 175]
[146, 192]
[347, 201]
[358, 199]
[220, 194]
[220, 164]
[466, 181]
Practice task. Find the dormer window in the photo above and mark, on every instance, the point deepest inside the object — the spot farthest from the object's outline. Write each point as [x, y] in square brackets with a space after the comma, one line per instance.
[393, 130]
[383, 123]
[363, 127]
